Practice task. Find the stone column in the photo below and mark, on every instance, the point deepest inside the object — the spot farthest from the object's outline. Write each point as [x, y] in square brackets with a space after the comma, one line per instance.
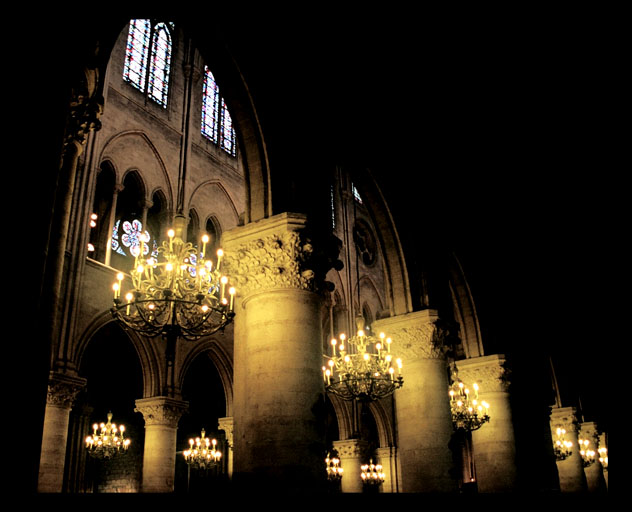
[594, 472]
[352, 454]
[493, 445]
[62, 392]
[424, 422]
[570, 470]
[161, 416]
[226, 424]
[279, 391]
[387, 457]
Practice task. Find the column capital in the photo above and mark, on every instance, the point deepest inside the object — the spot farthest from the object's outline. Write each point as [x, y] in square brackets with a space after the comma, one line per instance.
[277, 252]
[161, 410]
[63, 389]
[350, 448]
[415, 335]
[226, 424]
[490, 372]
[564, 417]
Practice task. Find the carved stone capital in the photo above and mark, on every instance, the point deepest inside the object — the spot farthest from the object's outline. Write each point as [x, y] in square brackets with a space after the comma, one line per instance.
[589, 430]
[564, 417]
[161, 410]
[415, 335]
[63, 389]
[350, 448]
[490, 372]
[82, 119]
[274, 253]
[226, 424]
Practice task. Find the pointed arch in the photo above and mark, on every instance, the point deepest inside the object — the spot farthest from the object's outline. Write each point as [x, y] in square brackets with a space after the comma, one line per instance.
[398, 289]
[222, 361]
[465, 310]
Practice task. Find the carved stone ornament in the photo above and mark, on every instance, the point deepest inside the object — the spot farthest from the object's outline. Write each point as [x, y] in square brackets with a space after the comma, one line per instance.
[489, 372]
[226, 424]
[275, 261]
[564, 417]
[63, 389]
[350, 448]
[161, 410]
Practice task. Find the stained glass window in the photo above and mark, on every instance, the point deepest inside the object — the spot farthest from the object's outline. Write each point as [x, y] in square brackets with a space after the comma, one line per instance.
[217, 124]
[158, 86]
[228, 133]
[127, 237]
[147, 67]
[137, 53]
[210, 106]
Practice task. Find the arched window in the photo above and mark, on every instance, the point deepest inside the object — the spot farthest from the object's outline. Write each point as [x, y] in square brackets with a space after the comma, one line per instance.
[210, 106]
[101, 213]
[217, 124]
[147, 66]
[160, 65]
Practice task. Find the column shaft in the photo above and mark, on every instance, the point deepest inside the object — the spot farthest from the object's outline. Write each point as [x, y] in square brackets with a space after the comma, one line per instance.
[351, 453]
[570, 470]
[493, 445]
[424, 422]
[159, 457]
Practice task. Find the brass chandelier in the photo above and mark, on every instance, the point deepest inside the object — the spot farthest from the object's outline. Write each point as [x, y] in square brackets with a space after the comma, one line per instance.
[107, 440]
[468, 413]
[562, 447]
[334, 471]
[200, 455]
[362, 367]
[372, 474]
[178, 293]
[587, 453]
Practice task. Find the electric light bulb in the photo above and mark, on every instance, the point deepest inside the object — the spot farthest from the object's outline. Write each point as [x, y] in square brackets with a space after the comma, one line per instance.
[171, 233]
[205, 239]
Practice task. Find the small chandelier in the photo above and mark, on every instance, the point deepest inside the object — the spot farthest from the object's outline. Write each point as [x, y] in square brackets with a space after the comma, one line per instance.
[107, 440]
[372, 474]
[467, 412]
[334, 471]
[562, 447]
[588, 455]
[603, 458]
[362, 367]
[175, 291]
[199, 455]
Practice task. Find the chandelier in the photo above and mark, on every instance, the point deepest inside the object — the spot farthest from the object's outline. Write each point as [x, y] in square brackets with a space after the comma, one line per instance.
[199, 455]
[588, 454]
[603, 458]
[334, 471]
[467, 412]
[176, 291]
[107, 440]
[562, 447]
[361, 368]
[372, 474]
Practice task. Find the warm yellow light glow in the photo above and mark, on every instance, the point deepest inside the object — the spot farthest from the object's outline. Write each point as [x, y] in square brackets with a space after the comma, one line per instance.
[205, 239]
[171, 233]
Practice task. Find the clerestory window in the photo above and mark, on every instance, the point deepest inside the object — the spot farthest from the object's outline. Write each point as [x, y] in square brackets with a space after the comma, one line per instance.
[217, 125]
[148, 58]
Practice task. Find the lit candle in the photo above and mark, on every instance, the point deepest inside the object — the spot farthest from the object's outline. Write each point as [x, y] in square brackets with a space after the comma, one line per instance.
[171, 233]
[333, 346]
[223, 280]
[220, 253]
[232, 291]
[204, 242]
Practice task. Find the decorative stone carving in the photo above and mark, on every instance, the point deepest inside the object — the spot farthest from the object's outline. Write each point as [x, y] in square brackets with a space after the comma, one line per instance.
[161, 410]
[280, 252]
[275, 261]
[564, 417]
[490, 372]
[63, 389]
[415, 335]
[226, 424]
[350, 448]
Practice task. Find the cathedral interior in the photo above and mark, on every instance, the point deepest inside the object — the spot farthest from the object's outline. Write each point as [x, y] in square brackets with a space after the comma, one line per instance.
[418, 172]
